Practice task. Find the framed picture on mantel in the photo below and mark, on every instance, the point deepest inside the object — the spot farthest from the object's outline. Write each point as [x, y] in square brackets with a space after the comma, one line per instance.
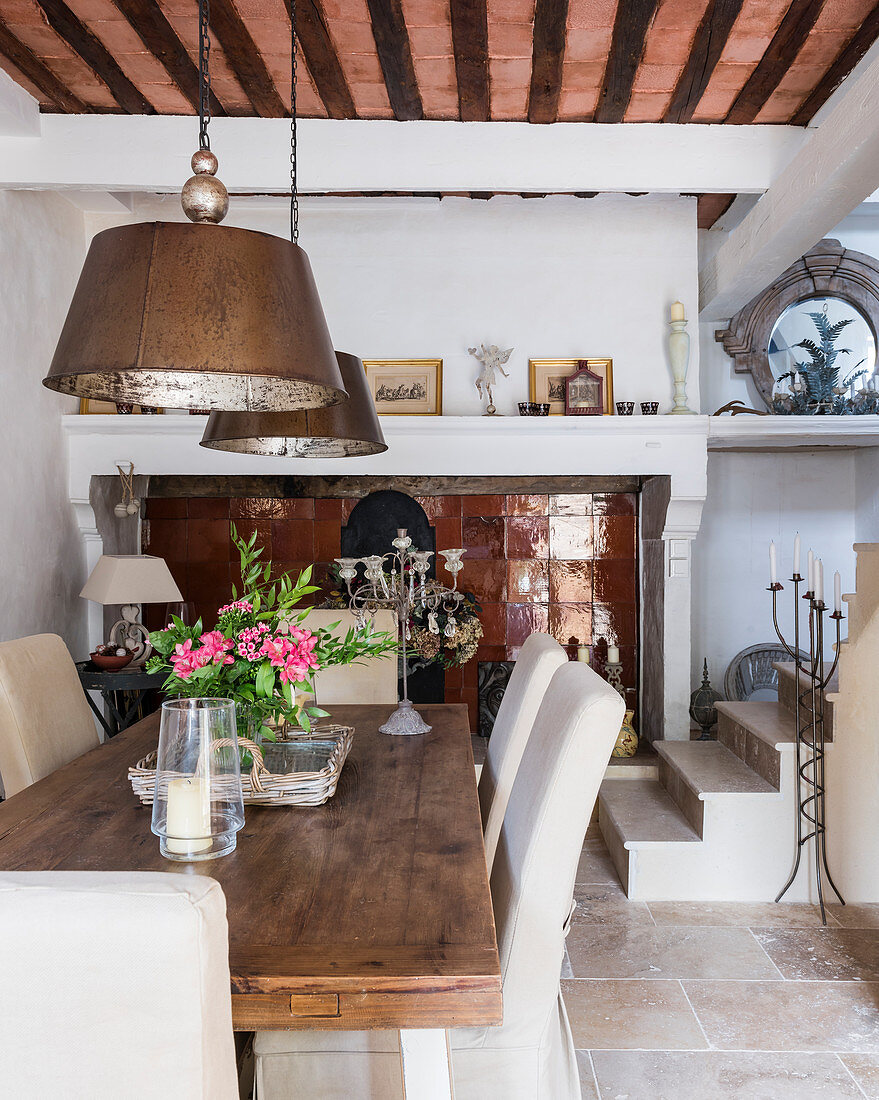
[406, 387]
[548, 378]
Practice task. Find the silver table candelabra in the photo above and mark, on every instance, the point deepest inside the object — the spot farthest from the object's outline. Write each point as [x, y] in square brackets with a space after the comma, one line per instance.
[399, 581]
[809, 709]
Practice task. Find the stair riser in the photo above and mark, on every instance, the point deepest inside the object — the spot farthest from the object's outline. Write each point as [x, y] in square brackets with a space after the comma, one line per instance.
[686, 799]
[619, 854]
[787, 698]
[757, 754]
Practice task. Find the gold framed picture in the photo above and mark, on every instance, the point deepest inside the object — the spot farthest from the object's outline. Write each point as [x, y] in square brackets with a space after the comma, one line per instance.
[547, 379]
[88, 407]
[406, 387]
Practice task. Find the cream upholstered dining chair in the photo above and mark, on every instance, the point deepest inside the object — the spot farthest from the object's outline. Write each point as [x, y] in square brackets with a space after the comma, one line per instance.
[538, 659]
[373, 680]
[45, 721]
[531, 1056]
[115, 984]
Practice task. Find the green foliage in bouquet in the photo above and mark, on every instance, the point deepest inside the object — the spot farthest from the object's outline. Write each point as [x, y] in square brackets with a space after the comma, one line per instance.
[824, 392]
[260, 653]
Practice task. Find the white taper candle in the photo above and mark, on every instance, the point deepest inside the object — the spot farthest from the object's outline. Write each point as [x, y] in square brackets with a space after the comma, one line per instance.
[773, 565]
[810, 572]
[797, 554]
[837, 592]
[819, 580]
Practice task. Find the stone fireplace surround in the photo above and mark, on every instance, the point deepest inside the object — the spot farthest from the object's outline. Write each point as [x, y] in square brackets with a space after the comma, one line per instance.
[665, 456]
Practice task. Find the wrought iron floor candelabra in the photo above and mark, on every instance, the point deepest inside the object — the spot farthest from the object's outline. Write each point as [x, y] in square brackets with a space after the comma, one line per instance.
[809, 710]
[399, 581]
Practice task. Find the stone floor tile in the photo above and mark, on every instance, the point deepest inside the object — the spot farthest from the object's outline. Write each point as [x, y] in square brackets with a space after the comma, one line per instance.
[740, 914]
[823, 954]
[855, 916]
[648, 1015]
[596, 865]
[721, 1075]
[644, 951]
[806, 1016]
[587, 1077]
[606, 903]
[865, 1070]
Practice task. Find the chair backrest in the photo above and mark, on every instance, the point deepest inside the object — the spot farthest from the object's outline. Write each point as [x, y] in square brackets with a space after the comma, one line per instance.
[367, 681]
[532, 881]
[115, 984]
[45, 721]
[539, 658]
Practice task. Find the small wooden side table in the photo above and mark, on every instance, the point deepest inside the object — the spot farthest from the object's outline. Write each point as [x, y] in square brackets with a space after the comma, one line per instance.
[124, 692]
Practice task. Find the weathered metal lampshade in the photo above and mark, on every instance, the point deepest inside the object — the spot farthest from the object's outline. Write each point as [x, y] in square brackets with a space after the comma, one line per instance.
[197, 316]
[349, 429]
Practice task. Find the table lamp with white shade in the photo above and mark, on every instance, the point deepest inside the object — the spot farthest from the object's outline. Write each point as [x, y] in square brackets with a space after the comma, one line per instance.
[131, 580]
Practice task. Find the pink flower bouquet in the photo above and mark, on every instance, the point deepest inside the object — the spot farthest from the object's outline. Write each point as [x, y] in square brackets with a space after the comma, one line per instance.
[260, 652]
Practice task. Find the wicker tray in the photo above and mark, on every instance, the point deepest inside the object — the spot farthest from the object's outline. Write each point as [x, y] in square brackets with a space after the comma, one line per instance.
[312, 765]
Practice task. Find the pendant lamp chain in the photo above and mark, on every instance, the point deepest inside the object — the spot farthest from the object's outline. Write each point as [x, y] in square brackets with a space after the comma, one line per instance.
[204, 73]
[294, 181]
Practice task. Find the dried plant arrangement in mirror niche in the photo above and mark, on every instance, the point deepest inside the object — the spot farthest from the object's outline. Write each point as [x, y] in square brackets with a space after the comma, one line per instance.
[406, 387]
[548, 381]
[809, 339]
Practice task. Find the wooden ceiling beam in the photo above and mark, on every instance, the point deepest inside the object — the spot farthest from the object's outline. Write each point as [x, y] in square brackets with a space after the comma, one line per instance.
[547, 60]
[470, 44]
[853, 51]
[93, 52]
[245, 60]
[322, 59]
[148, 22]
[781, 53]
[627, 46]
[711, 36]
[42, 77]
[395, 57]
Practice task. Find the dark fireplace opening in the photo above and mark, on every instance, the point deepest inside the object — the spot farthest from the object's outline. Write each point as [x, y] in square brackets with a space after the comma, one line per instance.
[558, 554]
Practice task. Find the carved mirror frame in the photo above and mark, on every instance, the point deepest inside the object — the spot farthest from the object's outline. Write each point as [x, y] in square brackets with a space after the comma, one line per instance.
[828, 269]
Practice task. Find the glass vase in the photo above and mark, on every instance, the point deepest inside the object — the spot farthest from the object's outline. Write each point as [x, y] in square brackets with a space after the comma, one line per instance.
[198, 807]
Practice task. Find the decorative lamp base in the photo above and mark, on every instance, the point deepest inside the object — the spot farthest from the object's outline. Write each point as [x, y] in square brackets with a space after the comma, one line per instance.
[405, 721]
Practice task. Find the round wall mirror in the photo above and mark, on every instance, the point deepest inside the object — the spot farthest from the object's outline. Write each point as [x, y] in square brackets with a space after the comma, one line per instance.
[856, 342]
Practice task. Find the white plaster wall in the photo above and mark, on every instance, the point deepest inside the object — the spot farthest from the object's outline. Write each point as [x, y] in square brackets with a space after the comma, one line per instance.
[42, 559]
[753, 498]
[560, 276]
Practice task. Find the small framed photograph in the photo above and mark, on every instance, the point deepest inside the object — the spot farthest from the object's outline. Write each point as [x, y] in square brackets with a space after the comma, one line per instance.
[548, 381]
[406, 387]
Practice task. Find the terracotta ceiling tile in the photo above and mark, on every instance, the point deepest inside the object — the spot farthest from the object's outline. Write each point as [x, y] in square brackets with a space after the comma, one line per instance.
[715, 104]
[426, 13]
[842, 15]
[583, 75]
[187, 31]
[142, 68]
[510, 72]
[41, 40]
[591, 13]
[353, 38]
[759, 17]
[669, 47]
[20, 11]
[439, 103]
[87, 10]
[430, 41]
[272, 38]
[819, 51]
[22, 81]
[72, 71]
[167, 99]
[745, 49]
[678, 15]
[510, 39]
[588, 43]
[118, 36]
[575, 105]
[371, 101]
[780, 107]
[94, 94]
[308, 102]
[510, 11]
[728, 77]
[509, 104]
[361, 68]
[656, 78]
[263, 9]
[647, 106]
[436, 72]
[184, 9]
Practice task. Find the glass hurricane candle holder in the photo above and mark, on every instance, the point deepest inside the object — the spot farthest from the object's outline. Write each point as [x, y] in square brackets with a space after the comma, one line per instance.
[198, 807]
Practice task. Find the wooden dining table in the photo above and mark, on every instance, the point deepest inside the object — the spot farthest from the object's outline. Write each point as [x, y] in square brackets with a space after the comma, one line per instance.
[371, 911]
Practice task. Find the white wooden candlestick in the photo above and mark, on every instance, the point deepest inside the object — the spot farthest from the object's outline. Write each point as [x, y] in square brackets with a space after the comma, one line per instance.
[679, 355]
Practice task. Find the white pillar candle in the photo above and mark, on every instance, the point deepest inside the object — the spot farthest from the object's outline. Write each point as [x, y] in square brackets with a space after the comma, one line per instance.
[773, 565]
[677, 311]
[613, 655]
[819, 580]
[583, 653]
[188, 821]
[797, 554]
[837, 592]
[810, 571]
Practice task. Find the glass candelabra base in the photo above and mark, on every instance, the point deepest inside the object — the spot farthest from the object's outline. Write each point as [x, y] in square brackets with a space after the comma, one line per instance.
[405, 721]
[195, 851]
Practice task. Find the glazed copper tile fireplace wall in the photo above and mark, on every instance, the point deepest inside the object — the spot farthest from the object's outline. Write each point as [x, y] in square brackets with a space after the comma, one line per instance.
[555, 554]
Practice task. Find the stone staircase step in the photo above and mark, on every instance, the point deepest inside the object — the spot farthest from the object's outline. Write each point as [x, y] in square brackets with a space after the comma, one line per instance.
[693, 771]
[756, 733]
[787, 687]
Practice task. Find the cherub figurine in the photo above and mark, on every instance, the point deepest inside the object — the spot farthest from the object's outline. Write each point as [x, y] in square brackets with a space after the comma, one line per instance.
[492, 359]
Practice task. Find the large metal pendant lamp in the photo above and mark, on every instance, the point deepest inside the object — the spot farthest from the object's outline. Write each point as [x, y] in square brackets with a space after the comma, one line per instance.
[194, 315]
[350, 429]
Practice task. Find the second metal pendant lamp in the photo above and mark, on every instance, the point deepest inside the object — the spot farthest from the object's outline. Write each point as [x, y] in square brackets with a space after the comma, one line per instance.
[349, 429]
[194, 315]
